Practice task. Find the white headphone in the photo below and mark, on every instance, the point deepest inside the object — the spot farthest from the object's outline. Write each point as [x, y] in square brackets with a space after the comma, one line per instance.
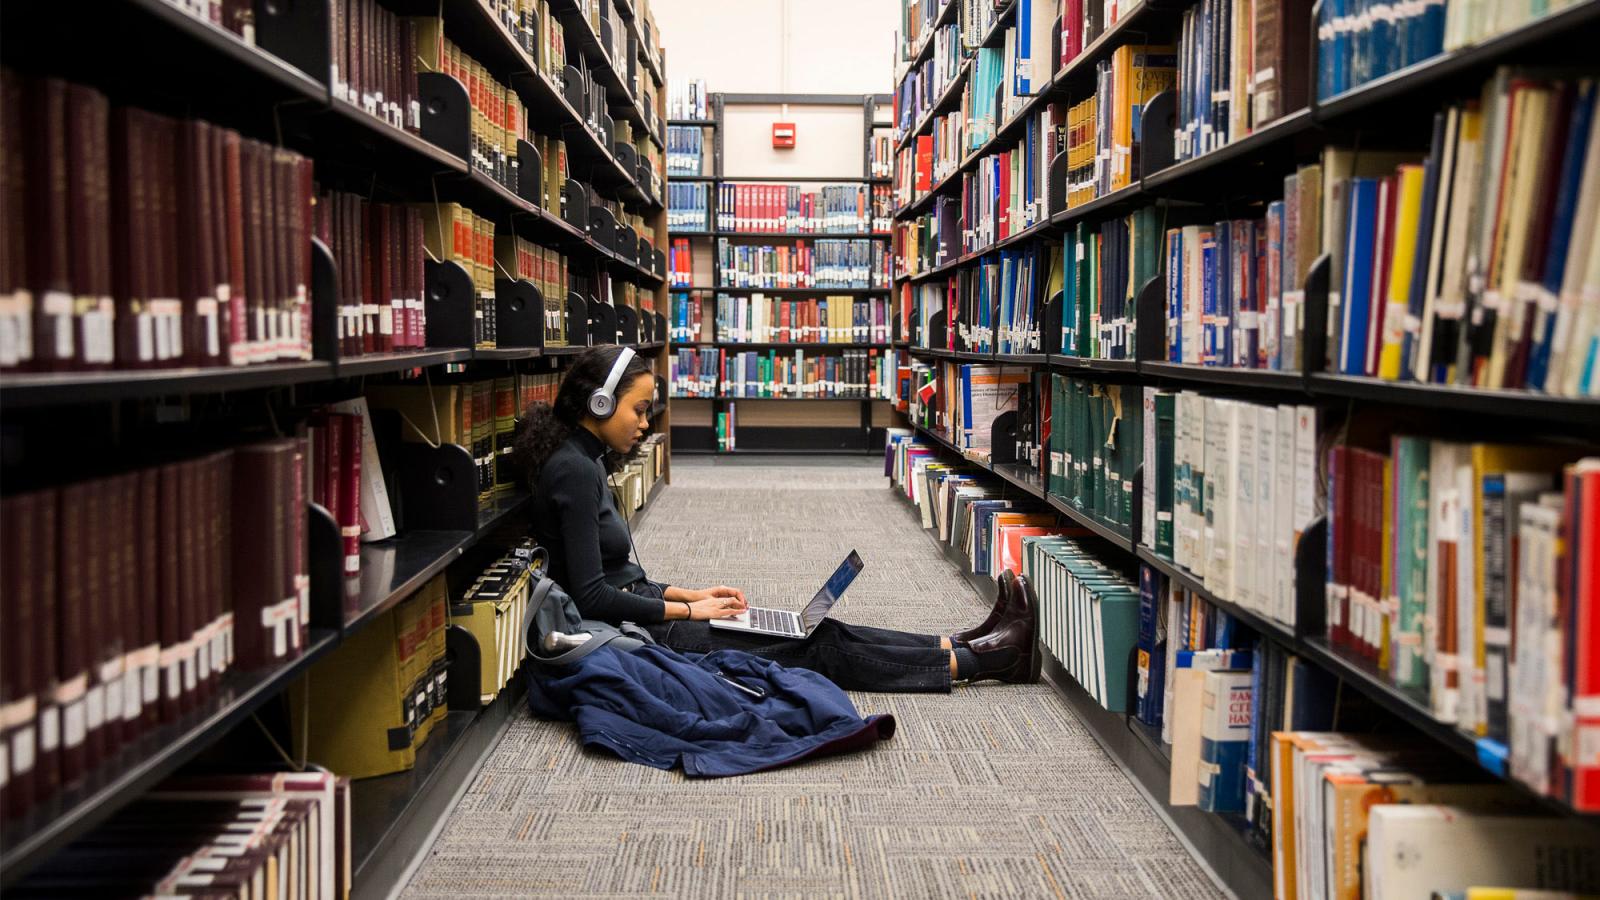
[603, 402]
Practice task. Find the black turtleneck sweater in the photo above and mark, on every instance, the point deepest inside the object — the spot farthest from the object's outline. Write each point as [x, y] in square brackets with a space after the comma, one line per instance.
[576, 519]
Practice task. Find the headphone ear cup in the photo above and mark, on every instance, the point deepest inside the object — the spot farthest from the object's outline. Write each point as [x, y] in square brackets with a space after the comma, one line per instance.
[600, 405]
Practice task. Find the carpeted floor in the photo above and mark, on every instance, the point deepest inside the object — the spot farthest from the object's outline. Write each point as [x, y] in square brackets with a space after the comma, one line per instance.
[994, 791]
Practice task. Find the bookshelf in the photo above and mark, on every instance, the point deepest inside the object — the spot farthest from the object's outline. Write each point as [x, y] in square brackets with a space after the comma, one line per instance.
[829, 435]
[277, 90]
[1233, 180]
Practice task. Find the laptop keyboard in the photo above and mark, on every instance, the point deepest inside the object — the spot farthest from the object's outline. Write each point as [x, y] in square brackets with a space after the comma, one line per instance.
[771, 620]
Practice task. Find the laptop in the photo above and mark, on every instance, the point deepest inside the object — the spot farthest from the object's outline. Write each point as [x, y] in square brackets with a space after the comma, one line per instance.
[782, 622]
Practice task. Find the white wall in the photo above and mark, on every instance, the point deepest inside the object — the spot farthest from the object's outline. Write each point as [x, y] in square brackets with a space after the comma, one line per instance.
[785, 47]
[738, 46]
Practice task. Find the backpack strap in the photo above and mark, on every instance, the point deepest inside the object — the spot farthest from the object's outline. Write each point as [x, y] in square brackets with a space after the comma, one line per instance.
[601, 634]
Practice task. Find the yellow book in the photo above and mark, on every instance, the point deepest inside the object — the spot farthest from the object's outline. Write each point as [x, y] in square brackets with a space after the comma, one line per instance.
[1138, 73]
[1408, 217]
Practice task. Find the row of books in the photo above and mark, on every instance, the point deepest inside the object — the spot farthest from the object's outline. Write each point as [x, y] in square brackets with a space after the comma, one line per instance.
[1094, 443]
[1474, 266]
[545, 269]
[1463, 583]
[932, 239]
[929, 159]
[455, 233]
[493, 609]
[692, 372]
[393, 687]
[1005, 193]
[129, 598]
[153, 241]
[1242, 64]
[927, 81]
[479, 415]
[1231, 487]
[727, 429]
[680, 263]
[373, 62]
[687, 322]
[963, 400]
[859, 264]
[637, 476]
[1107, 264]
[499, 118]
[685, 150]
[379, 252]
[880, 153]
[822, 320]
[266, 834]
[774, 373]
[790, 209]
[689, 207]
[687, 99]
[916, 24]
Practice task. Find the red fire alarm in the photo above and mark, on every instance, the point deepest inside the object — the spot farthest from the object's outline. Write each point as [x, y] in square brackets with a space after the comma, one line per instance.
[782, 135]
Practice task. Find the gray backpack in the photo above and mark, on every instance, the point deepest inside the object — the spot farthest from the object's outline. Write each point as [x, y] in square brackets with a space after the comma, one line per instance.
[551, 609]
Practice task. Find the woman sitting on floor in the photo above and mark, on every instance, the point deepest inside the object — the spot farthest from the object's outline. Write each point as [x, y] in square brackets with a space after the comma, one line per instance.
[602, 409]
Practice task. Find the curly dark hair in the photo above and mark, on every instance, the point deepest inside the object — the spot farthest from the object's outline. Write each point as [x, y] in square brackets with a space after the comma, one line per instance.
[543, 427]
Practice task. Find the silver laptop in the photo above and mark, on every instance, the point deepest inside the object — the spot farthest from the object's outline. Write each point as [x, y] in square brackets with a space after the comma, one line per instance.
[783, 623]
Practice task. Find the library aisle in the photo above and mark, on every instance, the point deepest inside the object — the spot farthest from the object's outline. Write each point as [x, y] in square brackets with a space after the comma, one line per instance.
[992, 791]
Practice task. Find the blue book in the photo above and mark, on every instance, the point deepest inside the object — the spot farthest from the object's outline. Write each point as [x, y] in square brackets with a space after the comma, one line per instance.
[1175, 296]
[1311, 691]
[1224, 738]
[1152, 663]
[1360, 236]
[1209, 346]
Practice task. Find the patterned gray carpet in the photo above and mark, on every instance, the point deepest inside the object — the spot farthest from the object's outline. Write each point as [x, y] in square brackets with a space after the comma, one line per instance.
[995, 791]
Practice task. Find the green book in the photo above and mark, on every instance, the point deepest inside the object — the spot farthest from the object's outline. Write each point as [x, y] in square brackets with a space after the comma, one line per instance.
[1163, 477]
[1411, 558]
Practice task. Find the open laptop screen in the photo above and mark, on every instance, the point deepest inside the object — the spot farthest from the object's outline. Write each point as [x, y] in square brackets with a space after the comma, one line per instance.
[838, 582]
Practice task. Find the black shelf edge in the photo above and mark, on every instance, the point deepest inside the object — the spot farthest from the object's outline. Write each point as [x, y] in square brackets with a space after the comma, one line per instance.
[1268, 379]
[343, 116]
[1120, 541]
[398, 361]
[1261, 624]
[506, 354]
[687, 179]
[77, 809]
[408, 560]
[500, 510]
[24, 389]
[1084, 364]
[1102, 203]
[1021, 476]
[964, 355]
[798, 179]
[995, 36]
[703, 123]
[1281, 129]
[1489, 401]
[230, 46]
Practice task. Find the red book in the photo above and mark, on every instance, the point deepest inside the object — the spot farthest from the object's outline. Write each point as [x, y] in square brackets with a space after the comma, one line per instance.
[1339, 534]
[924, 163]
[1003, 225]
[350, 438]
[236, 299]
[1583, 504]
[262, 600]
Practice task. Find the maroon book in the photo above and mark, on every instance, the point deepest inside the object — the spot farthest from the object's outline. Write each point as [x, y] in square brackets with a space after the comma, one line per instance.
[19, 666]
[260, 545]
[72, 635]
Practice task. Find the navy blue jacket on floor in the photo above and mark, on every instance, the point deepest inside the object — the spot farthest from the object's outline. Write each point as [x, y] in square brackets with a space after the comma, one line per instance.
[662, 708]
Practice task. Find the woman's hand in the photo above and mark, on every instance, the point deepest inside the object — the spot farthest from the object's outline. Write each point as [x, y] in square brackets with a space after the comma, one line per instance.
[717, 603]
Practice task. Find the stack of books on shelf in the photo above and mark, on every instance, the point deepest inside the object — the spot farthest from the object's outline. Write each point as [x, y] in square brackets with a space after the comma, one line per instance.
[880, 162]
[694, 372]
[379, 252]
[153, 241]
[859, 264]
[131, 599]
[790, 209]
[688, 318]
[545, 269]
[493, 610]
[1241, 67]
[1107, 264]
[687, 99]
[727, 432]
[680, 263]
[633, 482]
[374, 62]
[454, 233]
[499, 119]
[928, 80]
[685, 150]
[235, 835]
[843, 374]
[393, 686]
[688, 207]
[823, 320]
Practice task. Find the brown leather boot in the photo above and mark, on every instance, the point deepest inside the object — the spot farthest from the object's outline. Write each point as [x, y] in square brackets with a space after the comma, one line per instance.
[1002, 596]
[1013, 639]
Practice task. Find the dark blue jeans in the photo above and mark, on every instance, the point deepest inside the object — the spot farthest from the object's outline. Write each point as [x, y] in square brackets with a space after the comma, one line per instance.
[854, 657]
